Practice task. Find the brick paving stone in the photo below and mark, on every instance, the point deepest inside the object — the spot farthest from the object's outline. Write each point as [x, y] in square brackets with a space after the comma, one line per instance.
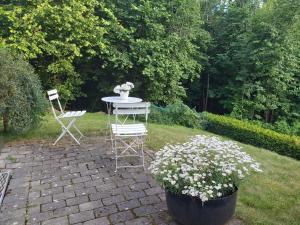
[64, 195]
[139, 186]
[14, 221]
[100, 185]
[41, 200]
[52, 191]
[53, 205]
[73, 187]
[139, 221]
[38, 217]
[34, 209]
[99, 195]
[11, 214]
[145, 210]
[120, 190]
[89, 172]
[154, 190]
[81, 179]
[81, 217]
[57, 221]
[134, 194]
[70, 176]
[35, 194]
[105, 210]
[90, 205]
[121, 217]
[141, 178]
[161, 218]
[13, 205]
[77, 200]
[123, 182]
[99, 221]
[113, 199]
[134, 203]
[85, 191]
[60, 183]
[149, 200]
[40, 187]
[65, 211]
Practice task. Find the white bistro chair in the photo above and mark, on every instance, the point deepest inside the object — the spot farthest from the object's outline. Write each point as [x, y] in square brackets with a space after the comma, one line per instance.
[71, 116]
[128, 135]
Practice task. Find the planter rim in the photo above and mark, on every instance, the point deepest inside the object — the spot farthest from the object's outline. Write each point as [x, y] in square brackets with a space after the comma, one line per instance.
[210, 200]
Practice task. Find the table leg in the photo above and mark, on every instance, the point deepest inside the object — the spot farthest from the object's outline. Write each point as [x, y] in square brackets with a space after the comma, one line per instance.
[109, 136]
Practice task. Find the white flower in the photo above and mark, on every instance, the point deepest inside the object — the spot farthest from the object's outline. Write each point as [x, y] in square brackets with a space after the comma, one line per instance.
[203, 167]
[117, 89]
[123, 87]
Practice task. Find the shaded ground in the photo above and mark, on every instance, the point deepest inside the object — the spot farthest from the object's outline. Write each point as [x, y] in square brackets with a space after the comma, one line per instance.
[70, 184]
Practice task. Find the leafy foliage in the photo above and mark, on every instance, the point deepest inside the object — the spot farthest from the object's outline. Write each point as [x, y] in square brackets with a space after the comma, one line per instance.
[22, 102]
[229, 57]
[79, 46]
[177, 113]
[253, 134]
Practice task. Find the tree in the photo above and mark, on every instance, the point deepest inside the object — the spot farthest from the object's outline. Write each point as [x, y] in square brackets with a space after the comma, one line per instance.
[53, 35]
[22, 102]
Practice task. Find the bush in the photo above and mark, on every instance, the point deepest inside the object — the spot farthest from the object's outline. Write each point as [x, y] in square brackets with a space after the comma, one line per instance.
[249, 133]
[177, 113]
[22, 103]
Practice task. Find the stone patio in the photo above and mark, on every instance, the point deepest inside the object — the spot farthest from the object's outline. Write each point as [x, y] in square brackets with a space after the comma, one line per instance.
[70, 184]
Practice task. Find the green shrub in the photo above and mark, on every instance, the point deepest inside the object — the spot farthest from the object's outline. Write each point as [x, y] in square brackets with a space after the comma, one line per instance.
[22, 102]
[281, 126]
[249, 133]
[177, 113]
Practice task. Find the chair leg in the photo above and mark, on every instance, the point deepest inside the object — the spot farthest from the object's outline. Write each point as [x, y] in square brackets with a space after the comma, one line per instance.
[116, 153]
[66, 130]
[81, 135]
[142, 149]
[124, 148]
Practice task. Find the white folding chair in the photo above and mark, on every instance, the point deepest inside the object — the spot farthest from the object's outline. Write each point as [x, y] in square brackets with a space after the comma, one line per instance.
[128, 135]
[4, 179]
[71, 116]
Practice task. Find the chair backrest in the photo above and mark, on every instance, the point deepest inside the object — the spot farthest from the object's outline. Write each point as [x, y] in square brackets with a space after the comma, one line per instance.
[131, 109]
[53, 96]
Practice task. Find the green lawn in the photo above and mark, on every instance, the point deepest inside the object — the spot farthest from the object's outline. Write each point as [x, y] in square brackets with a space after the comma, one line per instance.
[271, 197]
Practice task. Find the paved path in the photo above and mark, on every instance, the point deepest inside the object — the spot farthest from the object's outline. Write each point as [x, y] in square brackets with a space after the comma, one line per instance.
[70, 184]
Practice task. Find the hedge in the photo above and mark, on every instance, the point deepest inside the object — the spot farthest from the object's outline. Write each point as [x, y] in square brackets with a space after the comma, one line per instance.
[248, 133]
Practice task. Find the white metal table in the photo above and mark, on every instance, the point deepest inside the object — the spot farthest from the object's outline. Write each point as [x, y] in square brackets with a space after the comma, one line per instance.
[116, 99]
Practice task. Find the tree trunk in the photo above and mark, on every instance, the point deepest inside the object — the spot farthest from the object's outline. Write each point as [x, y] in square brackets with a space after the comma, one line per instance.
[207, 90]
[5, 120]
[267, 112]
[271, 116]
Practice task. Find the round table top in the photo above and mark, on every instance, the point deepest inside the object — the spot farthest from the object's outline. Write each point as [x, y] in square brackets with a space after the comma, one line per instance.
[117, 99]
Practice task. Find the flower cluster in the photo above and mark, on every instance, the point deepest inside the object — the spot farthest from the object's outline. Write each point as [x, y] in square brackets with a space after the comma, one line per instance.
[205, 167]
[123, 87]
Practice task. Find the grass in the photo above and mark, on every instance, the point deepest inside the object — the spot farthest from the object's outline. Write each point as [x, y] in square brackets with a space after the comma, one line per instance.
[271, 197]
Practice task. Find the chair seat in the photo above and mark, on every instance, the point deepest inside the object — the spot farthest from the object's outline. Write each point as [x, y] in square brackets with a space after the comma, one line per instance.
[129, 129]
[72, 114]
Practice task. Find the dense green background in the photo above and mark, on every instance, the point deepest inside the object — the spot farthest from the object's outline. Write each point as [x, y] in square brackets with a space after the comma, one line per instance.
[237, 57]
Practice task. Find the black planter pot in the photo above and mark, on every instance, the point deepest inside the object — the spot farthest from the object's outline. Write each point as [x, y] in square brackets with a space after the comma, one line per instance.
[188, 210]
